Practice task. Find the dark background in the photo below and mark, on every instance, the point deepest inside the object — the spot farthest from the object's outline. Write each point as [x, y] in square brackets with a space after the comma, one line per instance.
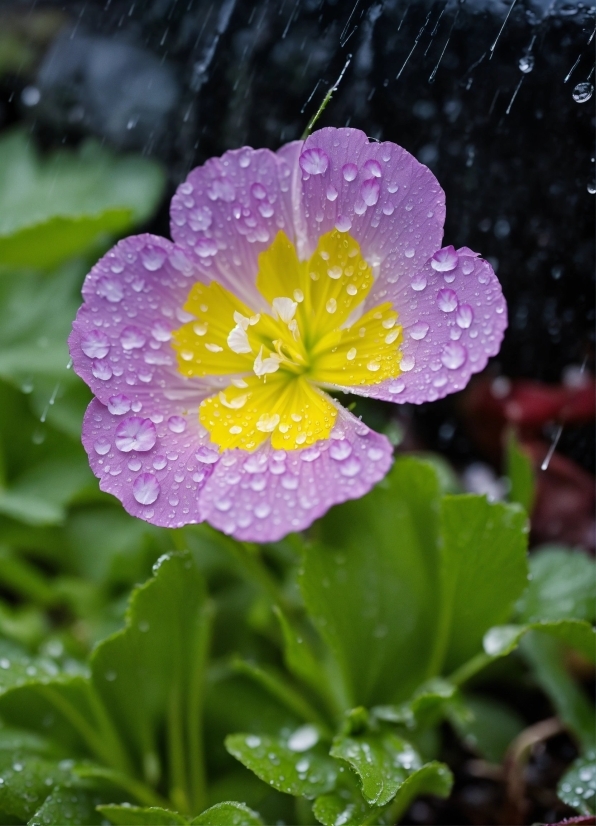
[484, 92]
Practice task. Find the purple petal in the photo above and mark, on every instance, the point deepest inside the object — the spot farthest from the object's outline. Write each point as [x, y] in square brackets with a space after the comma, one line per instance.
[158, 483]
[230, 209]
[120, 342]
[381, 194]
[449, 332]
[262, 496]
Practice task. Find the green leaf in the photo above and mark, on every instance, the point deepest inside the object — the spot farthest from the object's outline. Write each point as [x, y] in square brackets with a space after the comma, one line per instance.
[55, 208]
[382, 763]
[577, 787]
[298, 655]
[483, 573]
[148, 816]
[571, 704]
[345, 808]
[432, 778]
[520, 471]
[503, 639]
[228, 814]
[277, 761]
[151, 674]
[561, 586]
[488, 728]
[27, 779]
[68, 806]
[371, 590]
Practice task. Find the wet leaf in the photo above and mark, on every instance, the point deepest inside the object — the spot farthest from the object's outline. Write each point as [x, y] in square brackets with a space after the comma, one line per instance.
[382, 763]
[59, 206]
[561, 586]
[151, 673]
[285, 764]
[143, 816]
[345, 808]
[577, 787]
[27, 779]
[228, 814]
[503, 639]
[67, 806]
[432, 778]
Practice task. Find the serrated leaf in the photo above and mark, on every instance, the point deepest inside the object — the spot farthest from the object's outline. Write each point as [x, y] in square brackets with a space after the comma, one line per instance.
[520, 472]
[143, 816]
[382, 762]
[304, 773]
[59, 206]
[27, 779]
[483, 573]
[562, 586]
[151, 673]
[577, 787]
[370, 588]
[68, 806]
[343, 808]
[228, 814]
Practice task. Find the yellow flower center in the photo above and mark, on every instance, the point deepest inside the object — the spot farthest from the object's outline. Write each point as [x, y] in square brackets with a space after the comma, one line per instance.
[311, 335]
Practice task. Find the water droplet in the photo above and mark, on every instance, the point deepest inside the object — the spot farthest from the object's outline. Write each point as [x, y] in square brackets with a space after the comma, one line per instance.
[131, 338]
[375, 453]
[152, 258]
[262, 510]
[396, 387]
[102, 446]
[526, 63]
[447, 300]
[444, 260]
[95, 344]
[4, 663]
[351, 354]
[205, 247]
[110, 289]
[145, 489]
[349, 171]
[252, 741]
[453, 355]
[332, 193]
[419, 330]
[340, 449]
[119, 405]
[110, 676]
[331, 305]
[464, 316]
[373, 167]
[407, 363]
[135, 433]
[177, 424]
[583, 92]
[258, 191]
[314, 161]
[206, 455]
[467, 265]
[351, 467]
[303, 738]
[370, 191]
[343, 224]
[101, 370]
[418, 283]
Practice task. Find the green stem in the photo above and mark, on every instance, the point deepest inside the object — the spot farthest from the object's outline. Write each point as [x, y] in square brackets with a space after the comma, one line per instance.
[283, 692]
[102, 749]
[196, 694]
[326, 100]
[176, 755]
[144, 795]
[470, 668]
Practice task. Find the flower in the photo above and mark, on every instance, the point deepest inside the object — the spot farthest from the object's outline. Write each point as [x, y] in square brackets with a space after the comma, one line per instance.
[315, 268]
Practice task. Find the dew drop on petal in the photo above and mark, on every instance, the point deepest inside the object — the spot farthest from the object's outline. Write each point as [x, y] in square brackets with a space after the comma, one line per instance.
[350, 467]
[340, 449]
[447, 300]
[464, 316]
[145, 489]
[332, 193]
[343, 224]
[467, 266]
[135, 433]
[454, 355]
[95, 344]
[101, 446]
[370, 191]
[331, 305]
[177, 424]
[119, 405]
[258, 191]
[159, 462]
[132, 338]
[396, 387]
[419, 330]
[314, 161]
[373, 167]
[407, 363]
[101, 370]
[418, 283]
[444, 260]
[349, 171]
[110, 288]
[161, 331]
[206, 455]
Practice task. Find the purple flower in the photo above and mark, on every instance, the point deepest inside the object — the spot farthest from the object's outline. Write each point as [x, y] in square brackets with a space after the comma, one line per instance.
[316, 267]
